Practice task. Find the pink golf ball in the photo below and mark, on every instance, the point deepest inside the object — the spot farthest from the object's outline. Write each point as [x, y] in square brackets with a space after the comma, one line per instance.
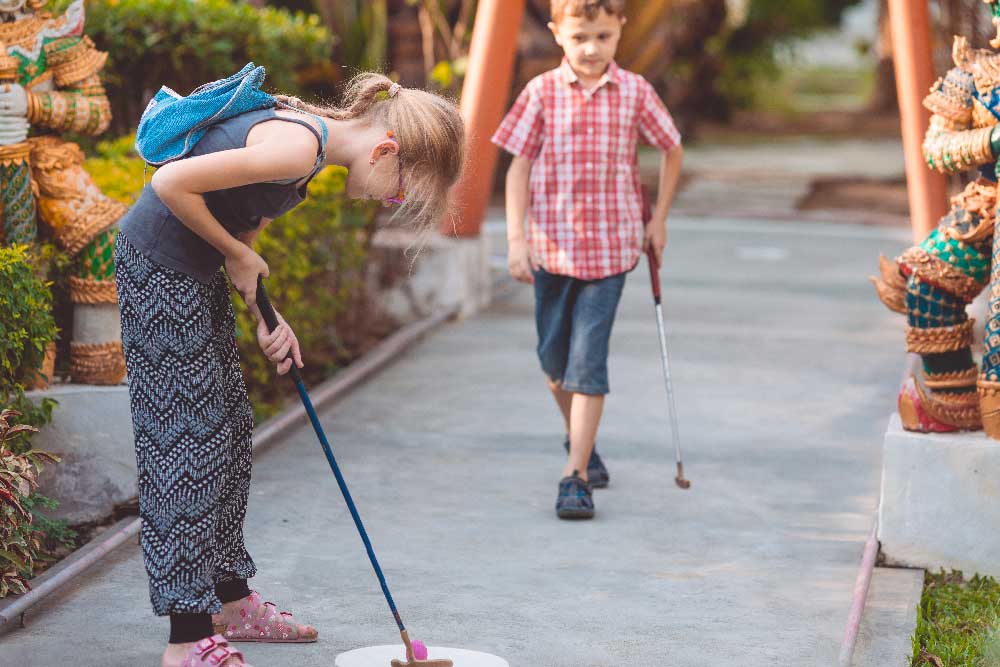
[419, 650]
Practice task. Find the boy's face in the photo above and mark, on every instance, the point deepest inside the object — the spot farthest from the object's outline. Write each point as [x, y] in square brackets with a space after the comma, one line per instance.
[589, 45]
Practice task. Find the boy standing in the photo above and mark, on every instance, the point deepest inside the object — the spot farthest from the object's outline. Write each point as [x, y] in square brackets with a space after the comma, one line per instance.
[573, 133]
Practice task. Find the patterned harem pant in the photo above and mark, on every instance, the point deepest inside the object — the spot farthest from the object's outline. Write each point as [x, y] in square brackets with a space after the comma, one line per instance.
[193, 424]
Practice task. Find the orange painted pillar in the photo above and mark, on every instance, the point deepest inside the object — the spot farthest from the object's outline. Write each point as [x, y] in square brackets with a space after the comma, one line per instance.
[485, 93]
[911, 44]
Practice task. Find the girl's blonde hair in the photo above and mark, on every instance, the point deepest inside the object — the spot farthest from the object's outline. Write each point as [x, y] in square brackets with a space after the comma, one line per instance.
[429, 130]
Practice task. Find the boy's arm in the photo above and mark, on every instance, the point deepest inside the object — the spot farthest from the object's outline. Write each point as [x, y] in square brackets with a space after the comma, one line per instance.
[517, 193]
[670, 174]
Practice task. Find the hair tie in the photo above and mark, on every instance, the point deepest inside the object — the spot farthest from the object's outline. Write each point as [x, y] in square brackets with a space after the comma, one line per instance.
[394, 89]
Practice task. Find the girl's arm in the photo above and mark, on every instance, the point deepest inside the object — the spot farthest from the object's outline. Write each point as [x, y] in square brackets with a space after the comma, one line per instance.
[670, 174]
[280, 346]
[180, 186]
[250, 238]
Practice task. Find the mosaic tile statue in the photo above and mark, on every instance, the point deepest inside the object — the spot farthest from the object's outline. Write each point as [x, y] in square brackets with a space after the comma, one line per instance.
[932, 282]
[50, 84]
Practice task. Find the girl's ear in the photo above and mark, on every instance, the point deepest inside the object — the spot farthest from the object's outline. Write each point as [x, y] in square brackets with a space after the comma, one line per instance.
[383, 148]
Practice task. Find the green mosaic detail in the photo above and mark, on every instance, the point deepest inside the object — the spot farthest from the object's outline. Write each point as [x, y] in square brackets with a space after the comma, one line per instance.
[932, 307]
[97, 259]
[62, 43]
[19, 220]
[28, 70]
[961, 255]
[991, 353]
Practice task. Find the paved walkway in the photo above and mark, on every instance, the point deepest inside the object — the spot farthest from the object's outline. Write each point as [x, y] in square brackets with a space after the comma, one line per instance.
[770, 179]
[785, 372]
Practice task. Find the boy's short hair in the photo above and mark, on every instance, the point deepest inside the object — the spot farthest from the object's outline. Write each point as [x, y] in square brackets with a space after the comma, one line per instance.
[588, 8]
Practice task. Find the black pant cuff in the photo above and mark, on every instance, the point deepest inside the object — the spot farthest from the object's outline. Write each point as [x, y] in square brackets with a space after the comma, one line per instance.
[231, 591]
[186, 628]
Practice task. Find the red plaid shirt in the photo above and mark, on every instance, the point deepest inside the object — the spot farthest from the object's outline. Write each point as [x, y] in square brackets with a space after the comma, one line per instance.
[586, 214]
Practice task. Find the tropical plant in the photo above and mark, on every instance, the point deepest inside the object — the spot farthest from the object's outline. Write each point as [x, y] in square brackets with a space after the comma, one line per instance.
[22, 543]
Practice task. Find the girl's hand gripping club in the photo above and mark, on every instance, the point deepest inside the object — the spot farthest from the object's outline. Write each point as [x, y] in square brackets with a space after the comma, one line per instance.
[271, 319]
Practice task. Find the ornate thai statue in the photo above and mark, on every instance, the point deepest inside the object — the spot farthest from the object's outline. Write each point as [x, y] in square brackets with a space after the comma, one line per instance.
[50, 84]
[932, 282]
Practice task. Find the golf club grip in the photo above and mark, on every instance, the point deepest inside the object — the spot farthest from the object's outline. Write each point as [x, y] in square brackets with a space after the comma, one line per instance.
[271, 319]
[264, 304]
[654, 273]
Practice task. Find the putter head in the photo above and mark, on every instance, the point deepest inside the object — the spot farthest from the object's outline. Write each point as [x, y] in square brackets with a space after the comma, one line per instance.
[681, 482]
[412, 661]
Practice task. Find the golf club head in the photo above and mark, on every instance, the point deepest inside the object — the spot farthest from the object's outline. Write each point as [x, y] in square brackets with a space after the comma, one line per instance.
[679, 480]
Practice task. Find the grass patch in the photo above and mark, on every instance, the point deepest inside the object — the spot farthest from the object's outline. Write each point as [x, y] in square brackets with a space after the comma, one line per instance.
[799, 90]
[957, 622]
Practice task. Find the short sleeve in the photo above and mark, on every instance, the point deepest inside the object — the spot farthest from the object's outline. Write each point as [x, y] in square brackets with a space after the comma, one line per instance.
[523, 128]
[656, 125]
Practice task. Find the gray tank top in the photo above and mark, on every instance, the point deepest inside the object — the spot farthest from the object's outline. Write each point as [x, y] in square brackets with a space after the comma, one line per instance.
[162, 237]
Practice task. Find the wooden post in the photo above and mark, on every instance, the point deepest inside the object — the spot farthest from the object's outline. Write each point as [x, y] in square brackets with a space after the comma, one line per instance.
[911, 44]
[484, 99]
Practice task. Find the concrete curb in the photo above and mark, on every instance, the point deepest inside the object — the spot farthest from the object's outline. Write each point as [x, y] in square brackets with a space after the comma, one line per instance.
[265, 436]
[861, 586]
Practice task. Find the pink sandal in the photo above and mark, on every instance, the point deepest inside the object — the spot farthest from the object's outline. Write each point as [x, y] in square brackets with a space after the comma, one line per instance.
[258, 621]
[212, 652]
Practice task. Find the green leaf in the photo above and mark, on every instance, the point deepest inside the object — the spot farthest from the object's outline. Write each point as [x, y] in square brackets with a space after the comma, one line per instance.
[10, 556]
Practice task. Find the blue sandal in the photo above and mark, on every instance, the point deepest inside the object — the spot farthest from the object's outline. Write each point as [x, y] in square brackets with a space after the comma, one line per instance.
[575, 500]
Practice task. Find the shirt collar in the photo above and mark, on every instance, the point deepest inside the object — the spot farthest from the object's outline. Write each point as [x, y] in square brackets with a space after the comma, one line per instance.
[570, 77]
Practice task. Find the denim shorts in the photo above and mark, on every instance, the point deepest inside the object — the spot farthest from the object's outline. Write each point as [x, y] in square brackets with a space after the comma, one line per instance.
[574, 319]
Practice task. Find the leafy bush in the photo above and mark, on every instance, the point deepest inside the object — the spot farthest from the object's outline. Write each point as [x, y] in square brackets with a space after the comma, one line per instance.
[316, 254]
[749, 48]
[117, 170]
[23, 540]
[26, 329]
[184, 43]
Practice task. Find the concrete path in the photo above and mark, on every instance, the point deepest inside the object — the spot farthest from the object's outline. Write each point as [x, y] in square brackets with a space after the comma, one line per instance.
[785, 369]
[890, 618]
[770, 179]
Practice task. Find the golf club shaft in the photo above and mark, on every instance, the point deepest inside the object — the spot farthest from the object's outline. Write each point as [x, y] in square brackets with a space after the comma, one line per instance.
[665, 357]
[271, 319]
[654, 280]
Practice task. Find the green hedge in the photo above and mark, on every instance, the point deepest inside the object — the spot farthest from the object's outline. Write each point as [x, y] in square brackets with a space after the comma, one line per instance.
[316, 254]
[26, 329]
[184, 43]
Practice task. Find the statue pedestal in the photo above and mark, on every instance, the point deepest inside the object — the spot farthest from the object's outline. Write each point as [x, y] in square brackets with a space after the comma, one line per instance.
[940, 504]
[91, 430]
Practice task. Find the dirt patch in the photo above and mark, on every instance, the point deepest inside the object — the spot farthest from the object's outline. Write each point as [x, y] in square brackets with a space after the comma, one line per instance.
[823, 123]
[873, 195]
